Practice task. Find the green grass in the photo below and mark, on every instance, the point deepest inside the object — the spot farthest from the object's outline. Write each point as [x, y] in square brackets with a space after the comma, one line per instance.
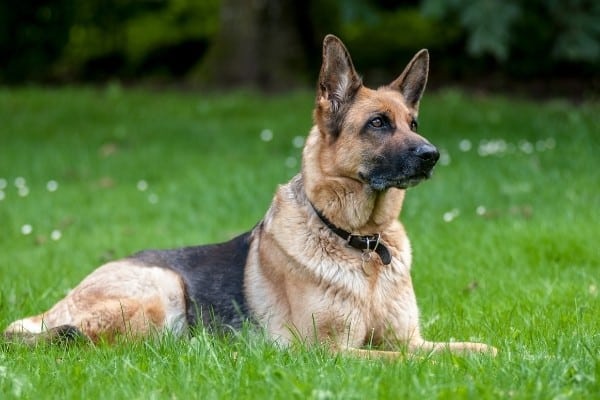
[505, 245]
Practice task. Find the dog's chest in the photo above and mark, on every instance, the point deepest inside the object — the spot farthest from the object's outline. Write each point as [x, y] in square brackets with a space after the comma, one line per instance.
[355, 306]
[364, 286]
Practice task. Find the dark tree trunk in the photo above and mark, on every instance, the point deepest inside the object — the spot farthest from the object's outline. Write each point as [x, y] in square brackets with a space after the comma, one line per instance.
[261, 44]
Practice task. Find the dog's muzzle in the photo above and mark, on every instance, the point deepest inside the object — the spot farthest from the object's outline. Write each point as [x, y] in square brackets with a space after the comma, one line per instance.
[403, 169]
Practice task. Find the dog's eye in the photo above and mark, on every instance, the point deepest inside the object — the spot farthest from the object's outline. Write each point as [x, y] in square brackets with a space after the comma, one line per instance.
[377, 122]
[414, 125]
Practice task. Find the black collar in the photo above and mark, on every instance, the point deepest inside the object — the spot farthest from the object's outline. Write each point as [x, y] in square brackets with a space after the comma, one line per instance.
[366, 242]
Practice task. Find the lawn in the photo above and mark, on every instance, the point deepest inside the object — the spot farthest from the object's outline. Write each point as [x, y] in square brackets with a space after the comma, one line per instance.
[505, 239]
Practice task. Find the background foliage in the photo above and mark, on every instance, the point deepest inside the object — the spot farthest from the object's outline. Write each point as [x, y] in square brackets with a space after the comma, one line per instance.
[166, 40]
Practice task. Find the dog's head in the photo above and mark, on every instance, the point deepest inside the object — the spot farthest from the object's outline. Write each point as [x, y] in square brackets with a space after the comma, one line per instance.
[371, 135]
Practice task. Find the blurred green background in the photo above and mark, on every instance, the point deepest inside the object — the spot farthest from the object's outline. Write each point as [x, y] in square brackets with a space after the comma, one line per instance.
[538, 47]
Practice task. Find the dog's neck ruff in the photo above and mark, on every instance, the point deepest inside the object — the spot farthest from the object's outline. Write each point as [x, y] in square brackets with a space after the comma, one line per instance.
[366, 243]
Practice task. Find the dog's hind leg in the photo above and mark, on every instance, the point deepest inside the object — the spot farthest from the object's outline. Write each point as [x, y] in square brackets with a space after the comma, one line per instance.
[102, 318]
[118, 298]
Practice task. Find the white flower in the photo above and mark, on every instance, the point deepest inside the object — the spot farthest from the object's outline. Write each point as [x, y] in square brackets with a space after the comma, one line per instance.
[23, 191]
[298, 142]
[55, 235]
[291, 162]
[449, 216]
[142, 185]
[465, 145]
[52, 186]
[444, 157]
[20, 182]
[266, 135]
[152, 198]
[526, 147]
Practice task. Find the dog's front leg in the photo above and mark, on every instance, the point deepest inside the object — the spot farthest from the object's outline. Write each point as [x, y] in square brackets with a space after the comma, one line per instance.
[416, 350]
[454, 347]
[381, 354]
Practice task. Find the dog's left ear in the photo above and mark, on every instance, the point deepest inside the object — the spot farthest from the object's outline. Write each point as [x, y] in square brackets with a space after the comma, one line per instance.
[411, 82]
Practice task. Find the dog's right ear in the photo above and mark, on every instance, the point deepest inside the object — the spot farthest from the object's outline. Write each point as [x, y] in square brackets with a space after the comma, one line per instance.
[338, 80]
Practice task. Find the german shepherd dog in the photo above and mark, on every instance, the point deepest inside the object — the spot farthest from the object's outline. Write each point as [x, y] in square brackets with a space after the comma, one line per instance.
[329, 263]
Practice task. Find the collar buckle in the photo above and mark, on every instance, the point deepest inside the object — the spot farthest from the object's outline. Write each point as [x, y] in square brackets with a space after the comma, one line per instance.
[366, 243]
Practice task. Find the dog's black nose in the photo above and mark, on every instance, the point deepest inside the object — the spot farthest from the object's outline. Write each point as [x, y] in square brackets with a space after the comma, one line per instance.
[427, 152]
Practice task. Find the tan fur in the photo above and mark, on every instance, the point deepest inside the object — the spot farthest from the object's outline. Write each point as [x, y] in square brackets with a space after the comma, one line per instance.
[117, 298]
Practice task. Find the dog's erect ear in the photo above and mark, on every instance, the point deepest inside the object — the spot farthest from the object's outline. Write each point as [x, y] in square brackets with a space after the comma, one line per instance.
[338, 81]
[411, 82]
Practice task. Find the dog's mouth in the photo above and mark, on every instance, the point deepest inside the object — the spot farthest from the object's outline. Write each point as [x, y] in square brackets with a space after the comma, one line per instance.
[380, 183]
[411, 181]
